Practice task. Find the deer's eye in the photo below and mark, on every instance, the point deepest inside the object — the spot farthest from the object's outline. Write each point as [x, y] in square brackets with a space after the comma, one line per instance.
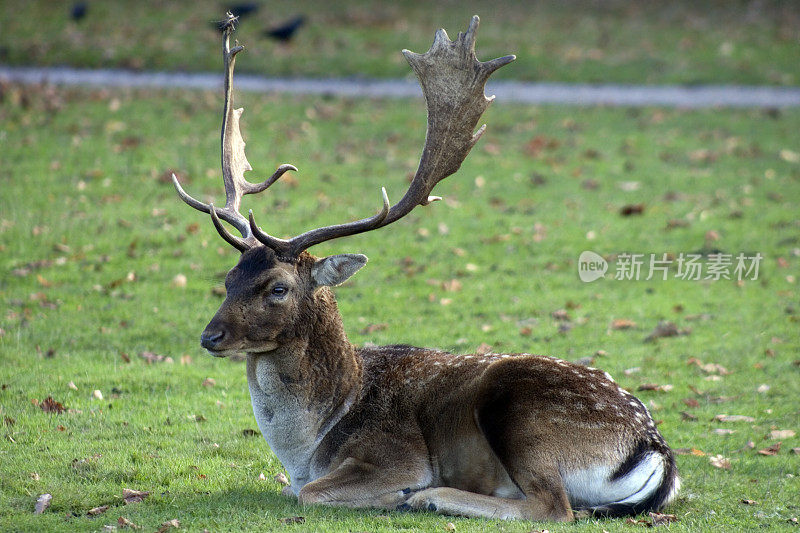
[279, 291]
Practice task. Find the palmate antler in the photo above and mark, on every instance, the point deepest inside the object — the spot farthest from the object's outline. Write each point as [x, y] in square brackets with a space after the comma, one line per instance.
[452, 81]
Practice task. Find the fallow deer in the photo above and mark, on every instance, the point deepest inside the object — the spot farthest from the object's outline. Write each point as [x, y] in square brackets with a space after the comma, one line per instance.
[398, 427]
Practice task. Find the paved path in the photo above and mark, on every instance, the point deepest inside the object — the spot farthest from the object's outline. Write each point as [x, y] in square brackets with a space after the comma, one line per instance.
[506, 91]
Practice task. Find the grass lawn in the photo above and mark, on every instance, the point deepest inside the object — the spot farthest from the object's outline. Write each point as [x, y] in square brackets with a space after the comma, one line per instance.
[681, 41]
[104, 274]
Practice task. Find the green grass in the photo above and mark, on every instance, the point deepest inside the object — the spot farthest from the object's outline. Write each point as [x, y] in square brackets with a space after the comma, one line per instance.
[92, 236]
[680, 42]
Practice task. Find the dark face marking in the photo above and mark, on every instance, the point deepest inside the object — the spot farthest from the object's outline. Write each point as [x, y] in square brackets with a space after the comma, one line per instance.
[262, 305]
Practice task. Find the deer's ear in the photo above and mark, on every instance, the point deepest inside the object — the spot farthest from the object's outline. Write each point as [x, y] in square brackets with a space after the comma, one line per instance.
[336, 269]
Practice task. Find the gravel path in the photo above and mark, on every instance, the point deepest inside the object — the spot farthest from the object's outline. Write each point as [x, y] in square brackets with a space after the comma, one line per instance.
[506, 91]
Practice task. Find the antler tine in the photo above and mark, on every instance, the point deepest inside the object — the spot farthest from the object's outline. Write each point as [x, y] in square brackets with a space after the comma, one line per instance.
[316, 236]
[234, 161]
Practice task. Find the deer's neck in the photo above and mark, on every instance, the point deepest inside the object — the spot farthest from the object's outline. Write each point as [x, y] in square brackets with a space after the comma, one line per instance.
[303, 388]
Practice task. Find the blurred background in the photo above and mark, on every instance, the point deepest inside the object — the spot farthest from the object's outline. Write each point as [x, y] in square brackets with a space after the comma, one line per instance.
[750, 42]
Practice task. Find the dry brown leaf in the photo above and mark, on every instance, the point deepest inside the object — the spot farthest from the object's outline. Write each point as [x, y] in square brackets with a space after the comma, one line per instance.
[719, 461]
[134, 496]
[483, 349]
[281, 478]
[622, 323]
[124, 522]
[660, 519]
[666, 329]
[174, 523]
[560, 314]
[708, 368]
[42, 503]
[449, 526]
[771, 450]
[748, 502]
[654, 387]
[97, 510]
[781, 433]
[689, 451]
[372, 328]
[452, 286]
[209, 382]
[151, 357]
[631, 209]
[723, 431]
[734, 418]
[49, 405]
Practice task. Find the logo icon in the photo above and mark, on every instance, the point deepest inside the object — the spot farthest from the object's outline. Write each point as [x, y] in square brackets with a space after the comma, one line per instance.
[591, 266]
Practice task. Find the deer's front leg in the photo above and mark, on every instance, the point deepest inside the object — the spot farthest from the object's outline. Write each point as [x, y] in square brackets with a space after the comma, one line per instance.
[359, 484]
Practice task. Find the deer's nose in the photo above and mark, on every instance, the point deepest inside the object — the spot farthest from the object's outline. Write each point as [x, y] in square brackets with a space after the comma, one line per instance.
[211, 339]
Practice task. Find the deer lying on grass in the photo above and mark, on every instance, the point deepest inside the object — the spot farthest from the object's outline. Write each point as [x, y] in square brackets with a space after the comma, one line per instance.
[496, 435]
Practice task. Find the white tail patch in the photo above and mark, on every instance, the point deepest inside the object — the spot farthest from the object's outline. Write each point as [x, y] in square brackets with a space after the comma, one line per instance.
[592, 487]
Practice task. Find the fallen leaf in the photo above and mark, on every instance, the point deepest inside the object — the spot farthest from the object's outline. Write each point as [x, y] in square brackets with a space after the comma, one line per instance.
[372, 328]
[262, 477]
[292, 520]
[689, 451]
[249, 432]
[688, 416]
[796, 451]
[631, 209]
[179, 281]
[42, 503]
[124, 522]
[451, 286]
[719, 461]
[790, 156]
[483, 349]
[734, 418]
[134, 496]
[72, 385]
[660, 519]
[771, 450]
[781, 433]
[691, 402]
[151, 357]
[622, 323]
[748, 502]
[666, 328]
[560, 314]
[174, 523]
[654, 387]
[449, 526]
[209, 382]
[97, 510]
[723, 431]
[97, 394]
[49, 405]
[281, 478]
